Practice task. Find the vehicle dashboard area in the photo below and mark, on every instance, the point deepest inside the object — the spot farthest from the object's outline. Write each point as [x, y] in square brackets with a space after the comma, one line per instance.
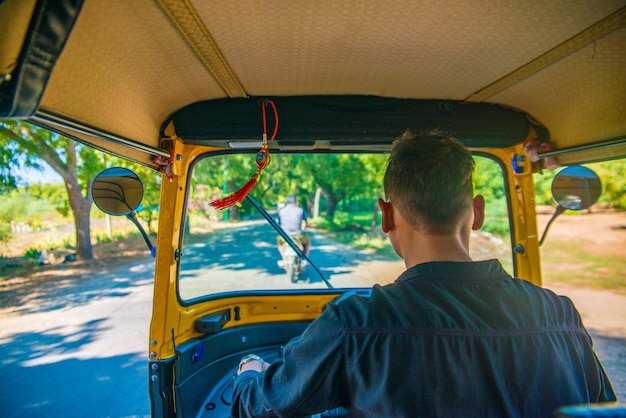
[206, 366]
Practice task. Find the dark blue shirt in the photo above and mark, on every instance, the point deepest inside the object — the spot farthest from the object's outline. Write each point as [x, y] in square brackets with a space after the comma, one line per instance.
[445, 340]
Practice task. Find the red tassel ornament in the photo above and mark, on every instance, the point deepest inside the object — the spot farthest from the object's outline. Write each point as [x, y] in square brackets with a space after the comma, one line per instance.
[262, 160]
[238, 196]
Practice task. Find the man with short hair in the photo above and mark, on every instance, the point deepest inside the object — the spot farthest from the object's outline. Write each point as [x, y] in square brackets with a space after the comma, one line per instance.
[451, 337]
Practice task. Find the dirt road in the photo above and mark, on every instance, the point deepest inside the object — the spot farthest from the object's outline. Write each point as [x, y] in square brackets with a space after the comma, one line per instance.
[603, 311]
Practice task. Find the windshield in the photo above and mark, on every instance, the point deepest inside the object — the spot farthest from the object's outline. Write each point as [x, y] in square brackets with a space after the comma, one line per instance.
[238, 250]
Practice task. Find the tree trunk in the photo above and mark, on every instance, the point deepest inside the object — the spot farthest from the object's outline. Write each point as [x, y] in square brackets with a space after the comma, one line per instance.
[81, 208]
[51, 147]
[316, 203]
[331, 206]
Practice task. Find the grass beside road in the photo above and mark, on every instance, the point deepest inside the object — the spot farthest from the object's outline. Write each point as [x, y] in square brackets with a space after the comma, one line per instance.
[20, 257]
[570, 263]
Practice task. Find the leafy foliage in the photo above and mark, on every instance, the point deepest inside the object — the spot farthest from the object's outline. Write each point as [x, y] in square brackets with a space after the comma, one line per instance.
[349, 184]
[77, 164]
[489, 183]
[543, 181]
[612, 175]
[331, 185]
[73, 162]
[338, 176]
[54, 194]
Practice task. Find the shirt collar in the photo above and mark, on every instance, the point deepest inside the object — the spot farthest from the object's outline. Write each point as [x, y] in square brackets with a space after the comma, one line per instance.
[462, 271]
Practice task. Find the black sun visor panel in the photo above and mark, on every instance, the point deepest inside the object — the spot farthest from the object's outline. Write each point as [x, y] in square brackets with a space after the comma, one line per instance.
[342, 120]
[49, 29]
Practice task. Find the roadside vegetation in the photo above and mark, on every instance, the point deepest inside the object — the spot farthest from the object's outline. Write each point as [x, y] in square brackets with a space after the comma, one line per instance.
[600, 271]
[338, 190]
[26, 145]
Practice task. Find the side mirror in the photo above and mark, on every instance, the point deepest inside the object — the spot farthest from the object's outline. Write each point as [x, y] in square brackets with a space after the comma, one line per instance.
[118, 191]
[574, 188]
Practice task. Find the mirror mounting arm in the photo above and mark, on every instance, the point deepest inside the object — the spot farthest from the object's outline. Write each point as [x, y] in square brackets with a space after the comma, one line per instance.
[573, 188]
[559, 210]
[132, 216]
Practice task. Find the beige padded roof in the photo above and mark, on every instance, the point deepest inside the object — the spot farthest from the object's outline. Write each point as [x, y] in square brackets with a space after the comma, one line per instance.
[129, 64]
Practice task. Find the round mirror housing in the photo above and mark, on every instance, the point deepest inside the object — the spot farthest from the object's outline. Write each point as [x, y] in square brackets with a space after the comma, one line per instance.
[117, 191]
[576, 188]
[573, 188]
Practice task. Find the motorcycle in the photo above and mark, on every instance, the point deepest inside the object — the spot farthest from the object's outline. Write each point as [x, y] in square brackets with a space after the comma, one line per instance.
[290, 245]
[292, 262]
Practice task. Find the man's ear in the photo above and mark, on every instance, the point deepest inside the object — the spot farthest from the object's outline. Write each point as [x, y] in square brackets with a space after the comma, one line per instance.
[479, 212]
[387, 215]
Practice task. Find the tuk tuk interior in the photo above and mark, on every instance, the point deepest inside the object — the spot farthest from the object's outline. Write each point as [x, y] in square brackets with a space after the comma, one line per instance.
[183, 87]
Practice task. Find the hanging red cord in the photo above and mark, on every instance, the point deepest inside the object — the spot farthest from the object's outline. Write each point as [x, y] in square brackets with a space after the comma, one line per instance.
[262, 160]
[165, 164]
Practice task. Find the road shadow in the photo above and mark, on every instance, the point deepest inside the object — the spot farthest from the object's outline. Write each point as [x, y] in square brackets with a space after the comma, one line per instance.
[65, 291]
[46, 375]
[253, 247]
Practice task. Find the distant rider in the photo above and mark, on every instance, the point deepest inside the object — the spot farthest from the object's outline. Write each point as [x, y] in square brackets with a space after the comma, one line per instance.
[292, 218]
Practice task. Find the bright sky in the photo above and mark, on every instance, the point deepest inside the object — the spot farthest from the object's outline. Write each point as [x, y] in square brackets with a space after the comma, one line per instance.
[31, 176]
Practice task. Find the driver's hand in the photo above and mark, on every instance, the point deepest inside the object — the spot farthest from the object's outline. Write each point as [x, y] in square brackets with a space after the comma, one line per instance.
[252, 362]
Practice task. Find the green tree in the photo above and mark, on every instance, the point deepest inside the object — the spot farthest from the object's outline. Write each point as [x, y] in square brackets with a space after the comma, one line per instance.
[225, 175]
[343, 175]
[54, 194]
[8, 212]
[75, 163]
[220, 176]
[613, 177]
[30, 207]
[543, 191]
[337, 175]
[286, 176]
[489, 182]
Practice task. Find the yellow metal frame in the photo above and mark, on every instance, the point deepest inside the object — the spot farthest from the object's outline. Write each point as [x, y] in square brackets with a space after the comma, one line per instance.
[522, 209]
[172, 323]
